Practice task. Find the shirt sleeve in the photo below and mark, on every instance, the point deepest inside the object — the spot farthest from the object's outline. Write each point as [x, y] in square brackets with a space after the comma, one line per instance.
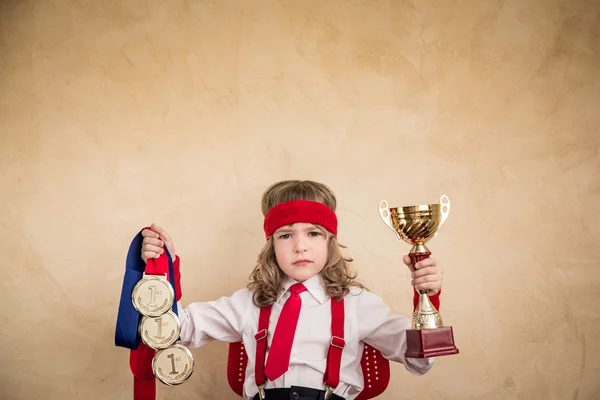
[221, 319]
[380, 329]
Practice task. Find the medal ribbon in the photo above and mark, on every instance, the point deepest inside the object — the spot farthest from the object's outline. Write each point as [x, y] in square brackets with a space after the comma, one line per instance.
[128, 319]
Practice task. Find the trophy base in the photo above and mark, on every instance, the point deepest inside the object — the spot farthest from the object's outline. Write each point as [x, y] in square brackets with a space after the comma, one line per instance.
[425, 343]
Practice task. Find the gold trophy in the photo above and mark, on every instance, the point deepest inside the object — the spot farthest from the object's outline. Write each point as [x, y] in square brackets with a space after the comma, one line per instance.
[416, 225]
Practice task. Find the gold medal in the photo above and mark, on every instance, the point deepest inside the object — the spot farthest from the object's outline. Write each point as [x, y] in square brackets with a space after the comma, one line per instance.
[153, 296]
[174, 365]
[160, 332]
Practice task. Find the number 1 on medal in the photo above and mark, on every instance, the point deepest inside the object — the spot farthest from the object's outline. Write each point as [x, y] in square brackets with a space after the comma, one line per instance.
[159, 334]
[172, 358]
[152, 296]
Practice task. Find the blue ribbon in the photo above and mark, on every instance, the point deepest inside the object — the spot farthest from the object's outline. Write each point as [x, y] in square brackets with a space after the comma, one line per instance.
[128, 319]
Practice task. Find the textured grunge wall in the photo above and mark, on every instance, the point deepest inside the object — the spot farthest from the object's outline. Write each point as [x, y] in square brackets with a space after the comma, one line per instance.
[117, 114]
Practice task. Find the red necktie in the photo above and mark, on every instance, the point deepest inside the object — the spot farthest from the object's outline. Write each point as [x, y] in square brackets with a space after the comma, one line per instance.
[281, 346]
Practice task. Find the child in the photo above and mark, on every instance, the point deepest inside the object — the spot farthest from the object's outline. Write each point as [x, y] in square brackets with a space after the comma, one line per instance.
[299, 272]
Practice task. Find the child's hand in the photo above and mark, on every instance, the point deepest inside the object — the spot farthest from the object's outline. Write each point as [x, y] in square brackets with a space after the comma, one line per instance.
[426, 274]
[154, 239]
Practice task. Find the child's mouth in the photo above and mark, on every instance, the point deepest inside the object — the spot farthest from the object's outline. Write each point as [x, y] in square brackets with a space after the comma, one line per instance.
[301, 263]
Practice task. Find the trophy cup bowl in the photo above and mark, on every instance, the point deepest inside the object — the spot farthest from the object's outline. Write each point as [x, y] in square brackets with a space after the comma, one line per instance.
[416, 225]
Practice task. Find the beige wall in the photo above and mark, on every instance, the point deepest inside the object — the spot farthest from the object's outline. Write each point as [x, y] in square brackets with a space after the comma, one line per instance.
[116, 114]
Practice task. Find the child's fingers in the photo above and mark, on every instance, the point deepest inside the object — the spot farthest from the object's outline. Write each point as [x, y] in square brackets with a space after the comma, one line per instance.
[407, 261]
[166, 239]
[425, 271]
[153, 241]
[428, 262]
[163, 234]
[149, 233]
[428, 286]
[152, 248]
[150, 254]
[426, 280]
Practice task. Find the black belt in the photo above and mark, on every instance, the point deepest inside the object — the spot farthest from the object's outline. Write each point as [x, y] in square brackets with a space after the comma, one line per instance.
[296, 393]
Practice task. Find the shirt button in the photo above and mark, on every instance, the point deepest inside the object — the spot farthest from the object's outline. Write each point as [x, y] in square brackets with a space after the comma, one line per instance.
[295, 395]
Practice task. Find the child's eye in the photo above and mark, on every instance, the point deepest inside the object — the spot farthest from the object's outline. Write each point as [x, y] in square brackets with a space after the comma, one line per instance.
[285, 236]
[315, 234]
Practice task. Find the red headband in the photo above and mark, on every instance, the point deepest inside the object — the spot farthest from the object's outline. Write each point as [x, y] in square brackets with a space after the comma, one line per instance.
[290, 212]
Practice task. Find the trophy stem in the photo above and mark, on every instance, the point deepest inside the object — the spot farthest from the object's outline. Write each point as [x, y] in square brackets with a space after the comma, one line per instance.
[426, 316]
[419, 252]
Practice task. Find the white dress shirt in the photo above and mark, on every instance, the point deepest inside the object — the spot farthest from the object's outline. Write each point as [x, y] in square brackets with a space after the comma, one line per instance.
[367, 319]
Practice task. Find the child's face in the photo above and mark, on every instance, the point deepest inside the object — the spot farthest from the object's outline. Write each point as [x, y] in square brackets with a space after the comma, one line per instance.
[301, 250]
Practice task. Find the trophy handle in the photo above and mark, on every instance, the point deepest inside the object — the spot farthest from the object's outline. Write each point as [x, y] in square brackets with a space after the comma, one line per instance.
[384, 213]
[444, 208]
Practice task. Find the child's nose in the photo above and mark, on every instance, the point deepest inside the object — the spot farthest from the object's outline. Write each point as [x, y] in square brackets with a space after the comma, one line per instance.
[300, 245]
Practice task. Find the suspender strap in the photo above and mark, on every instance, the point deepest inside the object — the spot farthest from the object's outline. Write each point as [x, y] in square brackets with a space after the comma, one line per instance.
[261, 346]
[336, 346]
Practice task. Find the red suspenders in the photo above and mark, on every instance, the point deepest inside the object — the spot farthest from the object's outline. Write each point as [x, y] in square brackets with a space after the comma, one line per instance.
[336, 345]
[334, 355]
[261, 349]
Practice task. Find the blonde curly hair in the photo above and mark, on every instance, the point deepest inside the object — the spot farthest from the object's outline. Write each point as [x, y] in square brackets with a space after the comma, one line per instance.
[266, 278]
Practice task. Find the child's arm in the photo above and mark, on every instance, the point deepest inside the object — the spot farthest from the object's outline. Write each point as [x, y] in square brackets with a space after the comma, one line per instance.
[223, 319]
[386, 332]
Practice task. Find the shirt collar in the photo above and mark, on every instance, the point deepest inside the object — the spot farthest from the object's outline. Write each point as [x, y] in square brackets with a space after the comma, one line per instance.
[313, 286]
